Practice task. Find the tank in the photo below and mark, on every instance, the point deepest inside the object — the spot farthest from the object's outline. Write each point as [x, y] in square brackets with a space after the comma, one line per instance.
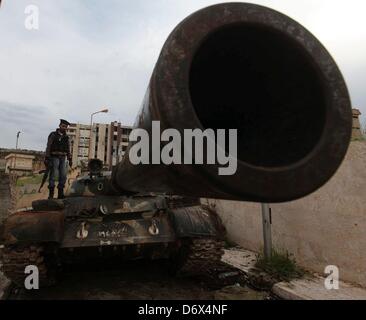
[229, 66]
[90, 224]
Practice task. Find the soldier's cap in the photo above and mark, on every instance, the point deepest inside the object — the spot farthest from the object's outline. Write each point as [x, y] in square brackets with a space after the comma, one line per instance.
[62, 121]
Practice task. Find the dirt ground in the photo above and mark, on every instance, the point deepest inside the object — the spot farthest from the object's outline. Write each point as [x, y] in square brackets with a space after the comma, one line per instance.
[135, 280]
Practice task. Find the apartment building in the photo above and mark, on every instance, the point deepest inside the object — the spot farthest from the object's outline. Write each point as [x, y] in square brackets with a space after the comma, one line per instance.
[119, 142]
[79, 142]
[108, 142]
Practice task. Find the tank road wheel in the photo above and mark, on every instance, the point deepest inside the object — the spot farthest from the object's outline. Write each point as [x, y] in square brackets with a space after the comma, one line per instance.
[200, 257]
[16, 259]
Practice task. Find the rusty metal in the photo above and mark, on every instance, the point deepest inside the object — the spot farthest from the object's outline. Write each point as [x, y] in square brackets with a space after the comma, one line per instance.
[33, 227]
[246, 67]
[122, 232]
[196, 222]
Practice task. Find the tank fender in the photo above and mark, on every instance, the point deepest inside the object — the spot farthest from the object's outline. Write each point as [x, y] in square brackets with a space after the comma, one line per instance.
[196, 221]
[33, 227]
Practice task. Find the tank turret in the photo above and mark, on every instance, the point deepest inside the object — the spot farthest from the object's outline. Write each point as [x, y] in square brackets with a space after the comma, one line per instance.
[94, 182]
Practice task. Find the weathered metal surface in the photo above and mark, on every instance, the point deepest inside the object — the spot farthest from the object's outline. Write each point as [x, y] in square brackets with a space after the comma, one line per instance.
[125, 232]
[195, 222]
[101, 205]
[139, 227]
[33, 227]
[246, 67]
[112, 221]
[90, 184]
[48, 205]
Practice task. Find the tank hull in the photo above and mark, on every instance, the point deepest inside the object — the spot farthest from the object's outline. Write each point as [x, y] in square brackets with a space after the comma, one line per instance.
[85, 229]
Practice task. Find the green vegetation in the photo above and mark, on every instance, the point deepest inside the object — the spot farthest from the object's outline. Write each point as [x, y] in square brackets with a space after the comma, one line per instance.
[358, 139]
[229, 244]
[282, 265]
[34, 179]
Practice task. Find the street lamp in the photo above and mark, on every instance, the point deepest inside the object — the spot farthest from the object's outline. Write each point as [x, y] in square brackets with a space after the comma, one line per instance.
[91, 128]
[16, 146]
[16, 149]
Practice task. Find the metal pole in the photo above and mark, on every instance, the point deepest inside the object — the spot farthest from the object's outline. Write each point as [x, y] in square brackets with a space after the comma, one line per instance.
[267, 232]
[90, 136]
[91, 129]
[16, 150]
[16, 146]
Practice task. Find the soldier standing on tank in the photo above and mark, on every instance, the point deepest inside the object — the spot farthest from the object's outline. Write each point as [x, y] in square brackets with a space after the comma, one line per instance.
[57, 151]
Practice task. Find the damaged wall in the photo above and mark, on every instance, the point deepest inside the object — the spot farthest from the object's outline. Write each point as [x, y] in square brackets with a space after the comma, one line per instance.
[7, 194]
[325, 228]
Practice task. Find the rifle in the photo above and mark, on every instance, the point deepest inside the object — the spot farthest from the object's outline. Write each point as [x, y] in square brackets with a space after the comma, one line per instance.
[45, 176]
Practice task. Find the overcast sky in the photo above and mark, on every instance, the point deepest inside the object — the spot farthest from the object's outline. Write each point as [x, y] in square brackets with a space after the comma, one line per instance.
[93, 53]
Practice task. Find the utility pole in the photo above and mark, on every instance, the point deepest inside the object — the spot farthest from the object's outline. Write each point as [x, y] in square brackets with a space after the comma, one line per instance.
[267, 231]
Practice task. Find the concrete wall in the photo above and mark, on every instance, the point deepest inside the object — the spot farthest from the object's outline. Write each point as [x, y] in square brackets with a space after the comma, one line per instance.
[325, 228]
[2, 165]
[19, 163]
[7, 195]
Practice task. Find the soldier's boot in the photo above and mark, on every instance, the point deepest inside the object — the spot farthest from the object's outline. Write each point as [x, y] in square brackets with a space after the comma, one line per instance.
[61, 193]
[51, 193]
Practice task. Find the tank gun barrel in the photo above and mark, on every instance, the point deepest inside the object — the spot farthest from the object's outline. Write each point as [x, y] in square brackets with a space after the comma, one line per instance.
[246, 67]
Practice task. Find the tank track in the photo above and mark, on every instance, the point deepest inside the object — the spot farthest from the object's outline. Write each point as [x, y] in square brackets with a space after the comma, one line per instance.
[202, 257]
[15, 260]
[203, 263]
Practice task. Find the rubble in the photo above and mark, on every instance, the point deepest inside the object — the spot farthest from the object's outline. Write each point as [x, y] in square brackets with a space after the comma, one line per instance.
[237, 292]
[245, 261]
